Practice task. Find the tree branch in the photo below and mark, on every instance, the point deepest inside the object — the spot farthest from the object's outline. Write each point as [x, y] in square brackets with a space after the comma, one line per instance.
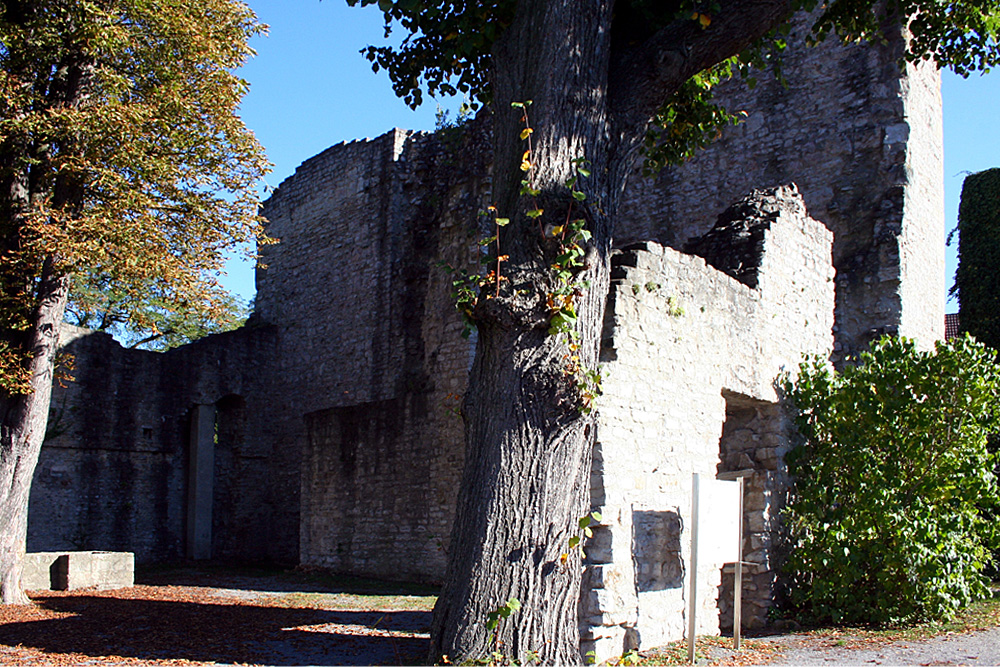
[642, 77]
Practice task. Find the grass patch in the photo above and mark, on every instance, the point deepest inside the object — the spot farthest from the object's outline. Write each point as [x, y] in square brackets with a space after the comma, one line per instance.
[350, 601]
[761, 651]
[710, 650]
[340, 591]
[348, 584]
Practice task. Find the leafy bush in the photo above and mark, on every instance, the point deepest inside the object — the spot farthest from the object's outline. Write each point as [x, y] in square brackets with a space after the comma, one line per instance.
[977, 281]
[888, 515]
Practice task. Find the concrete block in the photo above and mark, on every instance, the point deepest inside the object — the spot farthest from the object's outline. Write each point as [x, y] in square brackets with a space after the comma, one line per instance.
[40, 570]
[73, 570]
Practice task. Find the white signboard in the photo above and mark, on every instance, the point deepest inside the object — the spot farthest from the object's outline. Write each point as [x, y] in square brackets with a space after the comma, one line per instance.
[718, 520]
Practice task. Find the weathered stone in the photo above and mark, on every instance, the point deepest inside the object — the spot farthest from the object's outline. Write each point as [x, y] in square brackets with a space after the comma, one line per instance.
[78, 569]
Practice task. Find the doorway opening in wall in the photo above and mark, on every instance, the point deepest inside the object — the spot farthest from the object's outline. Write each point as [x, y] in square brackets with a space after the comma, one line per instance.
[217, 434]
[230, 433]
[754, 439]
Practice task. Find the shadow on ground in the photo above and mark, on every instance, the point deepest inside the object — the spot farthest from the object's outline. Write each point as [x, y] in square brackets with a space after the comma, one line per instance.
[219, 632]
[272, 579]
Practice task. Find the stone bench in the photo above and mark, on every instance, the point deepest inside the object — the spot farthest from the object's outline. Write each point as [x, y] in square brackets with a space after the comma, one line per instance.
[71, 570]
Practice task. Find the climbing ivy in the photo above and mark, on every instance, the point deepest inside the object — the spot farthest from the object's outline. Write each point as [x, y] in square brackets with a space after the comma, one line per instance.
[977, 280]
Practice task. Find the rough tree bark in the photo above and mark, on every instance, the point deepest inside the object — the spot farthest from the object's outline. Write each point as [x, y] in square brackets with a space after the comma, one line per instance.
[27, 179]
[22, 430]
[528, 446]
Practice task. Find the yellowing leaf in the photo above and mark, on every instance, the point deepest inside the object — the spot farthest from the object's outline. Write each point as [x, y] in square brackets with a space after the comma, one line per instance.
[526, 132]
[704, 20]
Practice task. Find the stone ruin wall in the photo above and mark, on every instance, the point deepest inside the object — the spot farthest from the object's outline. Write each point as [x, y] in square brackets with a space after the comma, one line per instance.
[371, 361]
[113, 472]
[863, 141]
[334, 408]
[684, 345]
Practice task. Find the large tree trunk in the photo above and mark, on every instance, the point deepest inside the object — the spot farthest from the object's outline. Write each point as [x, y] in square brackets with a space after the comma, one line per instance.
[528, 443]
[22, 431]
[29, 185]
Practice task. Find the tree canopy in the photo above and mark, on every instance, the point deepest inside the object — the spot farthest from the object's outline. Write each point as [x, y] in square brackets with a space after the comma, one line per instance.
[119, 120]
[977, 282]
[447, 50]
[126, 171]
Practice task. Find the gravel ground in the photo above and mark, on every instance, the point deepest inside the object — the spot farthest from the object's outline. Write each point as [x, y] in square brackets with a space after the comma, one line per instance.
[976, 648]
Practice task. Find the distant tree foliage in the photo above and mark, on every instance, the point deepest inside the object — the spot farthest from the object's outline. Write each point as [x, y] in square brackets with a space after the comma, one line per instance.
[164, 323]
[977, 279]
[891, 515]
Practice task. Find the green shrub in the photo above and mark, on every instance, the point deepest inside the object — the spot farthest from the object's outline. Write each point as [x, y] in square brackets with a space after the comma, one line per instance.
[887, 515]
[977, 279]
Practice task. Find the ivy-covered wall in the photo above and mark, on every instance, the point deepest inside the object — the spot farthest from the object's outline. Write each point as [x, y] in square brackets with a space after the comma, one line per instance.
[977, 280]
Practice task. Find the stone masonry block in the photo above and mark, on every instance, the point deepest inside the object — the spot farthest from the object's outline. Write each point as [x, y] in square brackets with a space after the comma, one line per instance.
[68, 571]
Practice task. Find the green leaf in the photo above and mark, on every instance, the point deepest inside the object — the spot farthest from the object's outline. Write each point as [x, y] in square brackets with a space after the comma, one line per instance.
[502, 222]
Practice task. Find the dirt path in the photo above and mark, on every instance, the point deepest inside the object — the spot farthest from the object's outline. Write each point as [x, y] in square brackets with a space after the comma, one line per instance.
[209, 616]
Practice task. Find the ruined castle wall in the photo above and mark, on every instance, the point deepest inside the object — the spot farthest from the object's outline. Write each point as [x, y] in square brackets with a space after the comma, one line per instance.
[230, 372]
[110, 474]
[113, 471]
[858, 139]
[338, 443]
[371, 363]
[681, 340]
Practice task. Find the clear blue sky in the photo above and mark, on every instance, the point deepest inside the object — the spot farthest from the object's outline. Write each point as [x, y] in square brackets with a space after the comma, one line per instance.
[310, 89]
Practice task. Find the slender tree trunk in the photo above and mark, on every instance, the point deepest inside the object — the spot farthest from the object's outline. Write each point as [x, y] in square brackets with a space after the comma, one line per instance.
[22, 430]
[528, 444]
